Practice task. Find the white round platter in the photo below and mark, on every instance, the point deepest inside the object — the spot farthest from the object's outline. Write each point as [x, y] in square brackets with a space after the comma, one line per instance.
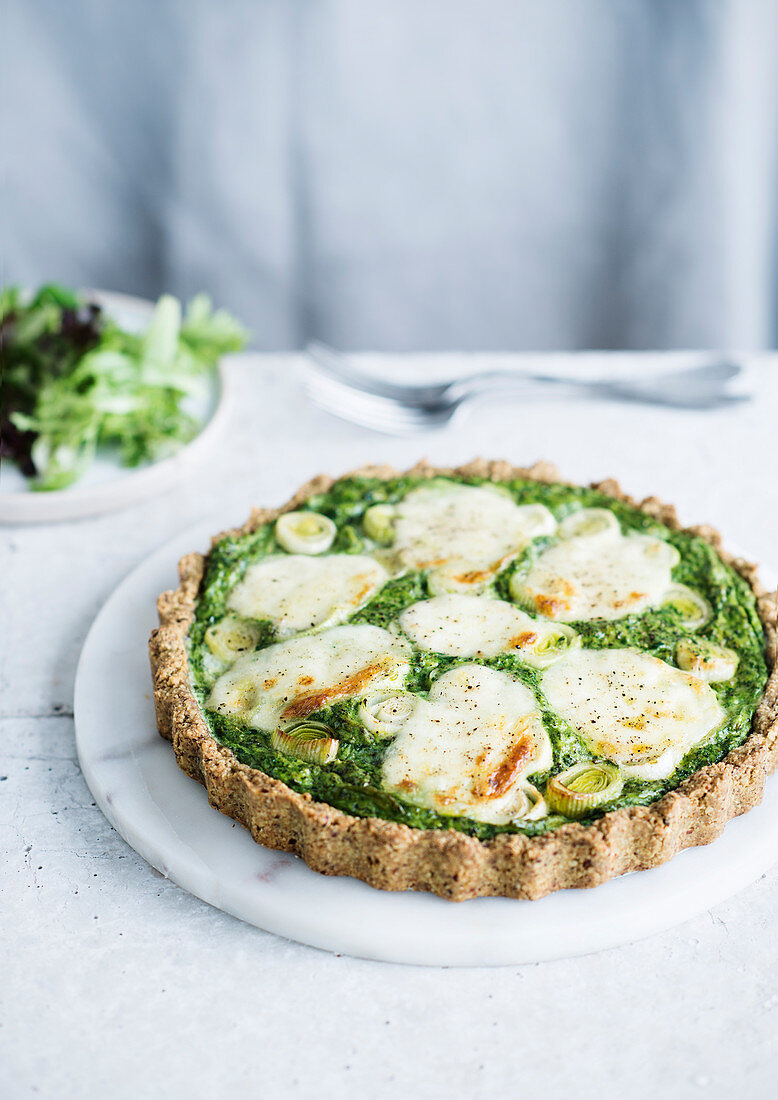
[165, 816]
[106, 485]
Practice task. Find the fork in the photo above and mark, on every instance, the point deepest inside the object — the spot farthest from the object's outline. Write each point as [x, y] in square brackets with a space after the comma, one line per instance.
[398, 409]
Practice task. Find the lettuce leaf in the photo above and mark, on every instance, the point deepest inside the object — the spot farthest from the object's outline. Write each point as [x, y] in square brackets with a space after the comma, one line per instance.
[73, 381]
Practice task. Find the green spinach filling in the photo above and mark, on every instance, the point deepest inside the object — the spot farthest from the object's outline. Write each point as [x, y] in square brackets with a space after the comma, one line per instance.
[352, 781]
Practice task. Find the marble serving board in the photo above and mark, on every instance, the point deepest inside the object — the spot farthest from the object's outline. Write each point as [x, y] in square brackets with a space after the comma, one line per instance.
[165, 816]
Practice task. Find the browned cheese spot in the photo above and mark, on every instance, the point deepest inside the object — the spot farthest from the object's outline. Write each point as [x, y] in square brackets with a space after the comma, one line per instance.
[477, 575]
[304, 705]
[496, 783]
[550, 605]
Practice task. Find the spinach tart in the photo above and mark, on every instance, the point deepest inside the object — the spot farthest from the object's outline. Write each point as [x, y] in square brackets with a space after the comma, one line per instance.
[473, 681]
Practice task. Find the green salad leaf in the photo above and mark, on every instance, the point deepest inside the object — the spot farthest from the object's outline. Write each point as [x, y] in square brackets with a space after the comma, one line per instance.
[73, 380]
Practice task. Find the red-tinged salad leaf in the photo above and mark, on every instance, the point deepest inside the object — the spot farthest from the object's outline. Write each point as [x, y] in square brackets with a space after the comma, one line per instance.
[72, 380]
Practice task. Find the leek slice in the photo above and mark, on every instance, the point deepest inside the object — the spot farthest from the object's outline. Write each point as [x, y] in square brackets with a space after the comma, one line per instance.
[550, 646]
[589, 523]
[305, 740]
[378, 523]
[706, 660]
[232, 636]
[385, 714]
[530, 804]
[520, 594]
[583, 788]
[693, 608]
[657, 550]
[305, 532]
[538, 520]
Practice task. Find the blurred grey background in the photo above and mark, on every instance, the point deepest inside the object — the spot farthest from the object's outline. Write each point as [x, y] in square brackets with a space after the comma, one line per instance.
[405, 174]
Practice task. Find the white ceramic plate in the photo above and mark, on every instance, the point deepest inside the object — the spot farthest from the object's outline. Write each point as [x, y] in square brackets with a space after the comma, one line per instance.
[106, 485]
[165, 816]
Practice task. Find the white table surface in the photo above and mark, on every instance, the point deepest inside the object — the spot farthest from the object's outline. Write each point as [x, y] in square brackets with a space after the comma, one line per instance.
[114, 982]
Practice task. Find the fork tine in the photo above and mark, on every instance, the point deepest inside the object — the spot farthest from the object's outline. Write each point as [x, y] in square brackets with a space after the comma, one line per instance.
[332, 365]
[370, 410]
[367, 418]
[370, 413]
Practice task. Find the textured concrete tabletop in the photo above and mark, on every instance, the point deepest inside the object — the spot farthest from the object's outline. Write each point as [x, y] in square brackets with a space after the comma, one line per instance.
[117, 983]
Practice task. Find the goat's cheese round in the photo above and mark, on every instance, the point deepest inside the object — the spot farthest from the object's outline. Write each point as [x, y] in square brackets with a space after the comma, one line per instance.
[298, 592]
[464, 534]
[632, 708]
[468, 747]
[472, 626]
[291, 679]
[605, 577]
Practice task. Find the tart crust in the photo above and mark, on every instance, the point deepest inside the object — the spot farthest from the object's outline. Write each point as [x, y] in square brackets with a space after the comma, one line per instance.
[391, 856]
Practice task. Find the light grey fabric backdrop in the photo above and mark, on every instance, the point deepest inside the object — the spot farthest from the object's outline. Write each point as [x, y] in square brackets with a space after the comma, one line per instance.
[405, 174]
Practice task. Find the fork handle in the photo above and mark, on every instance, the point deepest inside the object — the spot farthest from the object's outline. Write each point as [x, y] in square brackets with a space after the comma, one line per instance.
[695, 397]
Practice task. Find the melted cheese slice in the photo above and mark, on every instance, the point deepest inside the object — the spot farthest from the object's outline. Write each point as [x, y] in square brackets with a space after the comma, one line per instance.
[292, 679]
[605, 577]
[298, 592]
[632, 708]
[467, 748]
[463, 533]
[469, 626]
